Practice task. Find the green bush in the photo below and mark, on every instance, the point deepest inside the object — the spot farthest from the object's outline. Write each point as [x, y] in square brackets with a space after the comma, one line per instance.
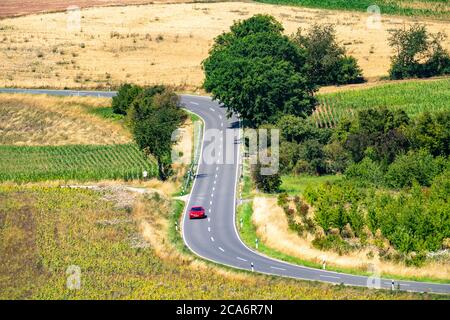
[367, 172]
[418, 53]
[415, 166]
[269, 183]
[329, 64]
[125, 96]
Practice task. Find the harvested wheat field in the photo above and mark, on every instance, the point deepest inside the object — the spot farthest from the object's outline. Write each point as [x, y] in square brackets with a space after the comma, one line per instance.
[272, 228]
[44, 120]
[151, 44]
[10, 8]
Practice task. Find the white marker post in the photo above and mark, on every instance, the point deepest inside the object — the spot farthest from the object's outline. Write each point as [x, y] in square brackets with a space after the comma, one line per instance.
[252, 266]
[256, 243]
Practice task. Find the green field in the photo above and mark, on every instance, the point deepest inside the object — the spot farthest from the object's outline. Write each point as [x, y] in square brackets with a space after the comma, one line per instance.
[427, 8]
[414, 97]
[73, 162]
[295, 185]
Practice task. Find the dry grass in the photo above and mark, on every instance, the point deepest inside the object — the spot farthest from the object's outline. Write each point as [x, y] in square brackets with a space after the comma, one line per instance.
[46, 120]
[272, 227]
[152, 44]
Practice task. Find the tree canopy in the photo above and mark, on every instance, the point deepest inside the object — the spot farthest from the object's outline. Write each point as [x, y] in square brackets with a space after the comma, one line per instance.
[256, 71]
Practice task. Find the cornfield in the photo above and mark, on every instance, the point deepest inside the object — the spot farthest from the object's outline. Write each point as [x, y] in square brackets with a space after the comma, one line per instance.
[413, 97]
[73, 162]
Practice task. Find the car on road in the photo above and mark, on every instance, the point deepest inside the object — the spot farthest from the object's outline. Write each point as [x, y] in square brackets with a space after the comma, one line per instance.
[197, 212]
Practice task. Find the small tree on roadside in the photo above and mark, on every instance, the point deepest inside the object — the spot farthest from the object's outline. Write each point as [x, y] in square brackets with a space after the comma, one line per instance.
[153, 116]
[125, 96]
[267, 183]
[327, 59]
[418, 53]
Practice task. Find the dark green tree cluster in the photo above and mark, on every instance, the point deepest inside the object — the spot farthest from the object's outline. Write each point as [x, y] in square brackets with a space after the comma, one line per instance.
[418, 53]
[125, 96]
[329, 65]
[153, 113]
[259, 73]
[387, 148]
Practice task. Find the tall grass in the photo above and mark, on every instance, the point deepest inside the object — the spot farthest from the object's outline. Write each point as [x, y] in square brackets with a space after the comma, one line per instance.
[427, 8]
[73, 162]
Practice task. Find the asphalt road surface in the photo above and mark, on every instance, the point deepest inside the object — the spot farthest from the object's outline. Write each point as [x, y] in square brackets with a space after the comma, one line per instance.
[216, 238]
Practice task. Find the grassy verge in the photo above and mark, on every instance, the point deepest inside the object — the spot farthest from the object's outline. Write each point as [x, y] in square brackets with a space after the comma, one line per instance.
[248, 234]
[424, 8]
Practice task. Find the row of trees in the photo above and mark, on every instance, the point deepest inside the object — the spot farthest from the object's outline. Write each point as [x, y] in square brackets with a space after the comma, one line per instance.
[153, 114]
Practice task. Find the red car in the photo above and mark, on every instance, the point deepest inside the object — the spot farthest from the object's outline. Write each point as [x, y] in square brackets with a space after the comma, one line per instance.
[197, 212]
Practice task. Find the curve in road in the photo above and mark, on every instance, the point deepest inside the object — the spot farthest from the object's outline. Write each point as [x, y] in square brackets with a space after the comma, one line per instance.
[216, 238]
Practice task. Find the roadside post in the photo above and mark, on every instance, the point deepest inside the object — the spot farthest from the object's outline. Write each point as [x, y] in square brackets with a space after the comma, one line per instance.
[176, 225]
[252, 266]
[241, 221]
[145, 175]
[256, 243]
[392, 285]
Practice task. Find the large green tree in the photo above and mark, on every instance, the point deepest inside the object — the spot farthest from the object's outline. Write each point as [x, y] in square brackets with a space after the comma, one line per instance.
[256, 71]
[153, 116]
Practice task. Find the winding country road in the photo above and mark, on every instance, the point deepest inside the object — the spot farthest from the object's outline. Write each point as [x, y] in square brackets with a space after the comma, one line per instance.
[215, 186]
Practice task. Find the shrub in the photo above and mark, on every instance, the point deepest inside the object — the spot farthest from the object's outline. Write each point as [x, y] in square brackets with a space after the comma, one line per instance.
[418, 53]
[329, 64]
[431, 131]
[415, 166]
[269, 183]
[125, 96]
[367, 172]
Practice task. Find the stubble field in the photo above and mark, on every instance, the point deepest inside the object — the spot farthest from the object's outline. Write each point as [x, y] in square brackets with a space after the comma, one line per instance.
[163, 43]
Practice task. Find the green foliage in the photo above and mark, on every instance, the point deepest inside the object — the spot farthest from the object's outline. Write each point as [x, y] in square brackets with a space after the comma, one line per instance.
[125, 96]
[326, 58]
[414, 221]
[381, 131]
[415, 166]
[418, 53]
[259, 73]
[269, 183]
[154, 116]
[73, 162]
[431, 131]
[366, 171]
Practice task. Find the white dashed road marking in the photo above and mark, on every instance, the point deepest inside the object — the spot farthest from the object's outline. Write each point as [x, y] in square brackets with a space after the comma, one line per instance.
[220, 248]
[195, 103]
[212, 239]
[332, 277]
[212, 109]
[242, 259]
[276, 268]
